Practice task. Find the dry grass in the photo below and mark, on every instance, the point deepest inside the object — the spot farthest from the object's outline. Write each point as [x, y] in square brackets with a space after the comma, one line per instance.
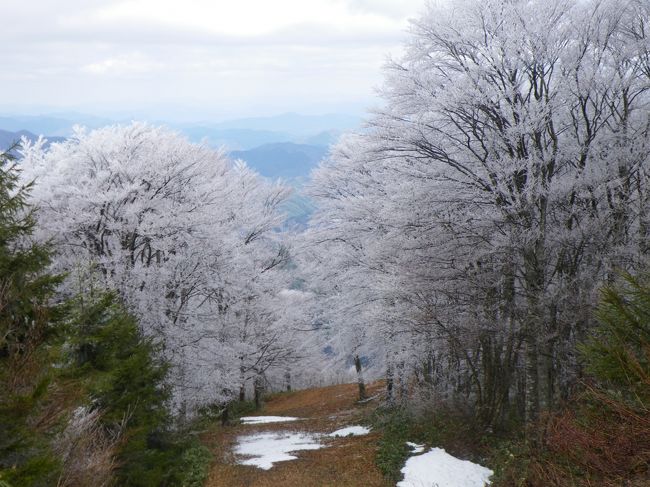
[87, 450]
[609, 440]
[345, 462]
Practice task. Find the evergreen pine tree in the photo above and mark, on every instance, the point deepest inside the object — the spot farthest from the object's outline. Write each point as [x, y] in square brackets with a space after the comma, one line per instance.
[29, 328]
[618, 354]
[126, 383]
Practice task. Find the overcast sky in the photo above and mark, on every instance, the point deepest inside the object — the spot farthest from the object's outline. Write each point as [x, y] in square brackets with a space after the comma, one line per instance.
[194, 59]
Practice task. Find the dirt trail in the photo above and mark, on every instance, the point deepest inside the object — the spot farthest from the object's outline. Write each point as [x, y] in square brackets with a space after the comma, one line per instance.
[343, 462]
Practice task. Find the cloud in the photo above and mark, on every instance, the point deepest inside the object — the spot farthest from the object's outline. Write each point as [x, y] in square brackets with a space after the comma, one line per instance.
[400, 9]
[254, 53]
[134, 63]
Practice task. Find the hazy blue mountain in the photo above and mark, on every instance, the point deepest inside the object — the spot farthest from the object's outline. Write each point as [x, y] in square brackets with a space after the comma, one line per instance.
[325, 138]
[86, 120]
[7, 138]
[238, 134]
[233, 139]
[247, 133]
[291, 162]
[283, 160]
[294, 123]
[52, 125]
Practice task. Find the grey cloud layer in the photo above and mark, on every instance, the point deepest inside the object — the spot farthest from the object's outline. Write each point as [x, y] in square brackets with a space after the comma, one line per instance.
[63, 53]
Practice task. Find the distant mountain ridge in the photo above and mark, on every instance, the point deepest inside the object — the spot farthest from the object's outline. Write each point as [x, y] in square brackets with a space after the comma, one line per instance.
[54, 125]
[283, 159]
[233, 139]
[291, 162]
[247, 133]
[236, 134]
[293, 123]
[7, 138]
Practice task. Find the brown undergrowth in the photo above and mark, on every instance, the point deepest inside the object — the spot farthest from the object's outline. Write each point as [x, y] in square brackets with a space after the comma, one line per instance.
[597, 441]
[344, 462]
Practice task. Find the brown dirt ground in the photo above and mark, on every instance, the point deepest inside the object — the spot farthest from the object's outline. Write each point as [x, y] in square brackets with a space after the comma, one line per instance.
[344, 462]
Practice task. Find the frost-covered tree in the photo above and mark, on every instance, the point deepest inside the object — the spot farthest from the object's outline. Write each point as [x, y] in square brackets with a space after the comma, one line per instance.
[339, 253]
[505, 178]
[185, 236]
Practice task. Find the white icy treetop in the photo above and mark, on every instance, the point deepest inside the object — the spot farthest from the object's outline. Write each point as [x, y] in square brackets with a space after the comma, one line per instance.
[187, 238]
[505, 178]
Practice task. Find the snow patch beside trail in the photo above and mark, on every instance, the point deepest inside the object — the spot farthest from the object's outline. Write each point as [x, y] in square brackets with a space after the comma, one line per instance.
[437, 468]
[262, 450]
[350, 431]
[266, 419]
[269, 448]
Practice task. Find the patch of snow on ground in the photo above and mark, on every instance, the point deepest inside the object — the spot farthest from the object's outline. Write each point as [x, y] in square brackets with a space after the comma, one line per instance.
[351, 431]
[265, 449]
[266, 419]
[437, 468]
[415, 448]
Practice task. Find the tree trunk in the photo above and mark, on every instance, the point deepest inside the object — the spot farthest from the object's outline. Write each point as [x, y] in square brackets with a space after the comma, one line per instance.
[225, 415]
[242, 376]
[534, 259]
[360, 381]
[390, 393]
[532, 377]
[287, 380]
[429, 369]
[402, 381]
[258, 388]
